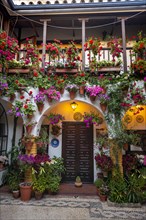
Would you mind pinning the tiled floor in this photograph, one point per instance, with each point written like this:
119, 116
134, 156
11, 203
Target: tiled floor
70, 203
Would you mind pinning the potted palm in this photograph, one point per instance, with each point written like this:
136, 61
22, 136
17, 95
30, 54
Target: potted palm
13, 180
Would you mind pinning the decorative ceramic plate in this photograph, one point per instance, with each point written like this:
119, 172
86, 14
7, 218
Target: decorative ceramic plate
128, 119
54, 142
78, 116
139, 118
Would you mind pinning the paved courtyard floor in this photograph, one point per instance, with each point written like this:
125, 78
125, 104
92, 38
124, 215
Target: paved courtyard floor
59, 207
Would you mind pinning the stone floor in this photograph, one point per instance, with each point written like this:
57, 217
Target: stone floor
73, 206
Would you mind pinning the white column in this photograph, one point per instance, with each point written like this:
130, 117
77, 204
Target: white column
124, 45
44, 41
83, 41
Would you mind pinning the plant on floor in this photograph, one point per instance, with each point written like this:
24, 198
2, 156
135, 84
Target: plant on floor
38, 179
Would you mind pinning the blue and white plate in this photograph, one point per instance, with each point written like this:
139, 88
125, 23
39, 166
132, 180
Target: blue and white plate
54, 142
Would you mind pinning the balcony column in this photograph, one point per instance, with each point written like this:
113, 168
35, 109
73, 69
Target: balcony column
83, 40
44, 41
124, 45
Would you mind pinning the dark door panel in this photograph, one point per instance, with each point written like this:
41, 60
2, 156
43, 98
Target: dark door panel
77, 151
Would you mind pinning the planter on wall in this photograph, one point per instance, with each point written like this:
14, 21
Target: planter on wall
18, 70
66, 70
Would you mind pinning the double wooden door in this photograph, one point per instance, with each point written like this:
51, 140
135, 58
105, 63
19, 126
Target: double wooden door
77, 151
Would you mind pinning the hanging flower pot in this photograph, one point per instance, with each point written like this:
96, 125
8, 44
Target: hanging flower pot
55, 130
40, 107
82, 90
72, 94
29, 129
92, 98
103, 106
61, 90
12, 97
29, 116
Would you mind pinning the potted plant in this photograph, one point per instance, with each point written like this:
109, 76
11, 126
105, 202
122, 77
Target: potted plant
38, 181
103, 192
78, 182
52, 94
54, 118
93, 91
53, 184
72, 89
53, 50
39, 100
91, 118
81, 80
29, 126
104, 162
28, 109
13, 180
3, 85
104, 99
55, 130
98, 183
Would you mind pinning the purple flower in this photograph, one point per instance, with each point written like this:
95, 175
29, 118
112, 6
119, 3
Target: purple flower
39, 98
93, 90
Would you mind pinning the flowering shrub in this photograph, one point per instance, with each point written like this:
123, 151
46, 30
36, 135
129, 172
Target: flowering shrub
91, 118
3, 85
137, 95
28, 108
115, 47
53, 94
54, 118
72, 56
93, 90
8, 48
72, 87
93, 44
139, 66
53, 50
81, 78
32, 54
130, 162
39, 98
139, 46
104, 162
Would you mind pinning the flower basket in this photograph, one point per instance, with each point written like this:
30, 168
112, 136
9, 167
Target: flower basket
67, 70
12, 97
18, 70
109, 69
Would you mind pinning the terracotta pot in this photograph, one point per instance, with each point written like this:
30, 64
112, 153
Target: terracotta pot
40, 107
82, 90
92, 98
105, 174
29, 116
103, 198
38, 195
125, 147
12, 97
104, 90
25, 191
103, 107
61, 90
16, 194
29, 129
49, 99
72, 94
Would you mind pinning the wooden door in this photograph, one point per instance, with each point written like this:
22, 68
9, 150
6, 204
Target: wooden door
77, 151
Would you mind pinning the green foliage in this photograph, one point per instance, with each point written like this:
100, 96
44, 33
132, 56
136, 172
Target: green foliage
13, 179
38, 179
99, 182
78, 179
53, 183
